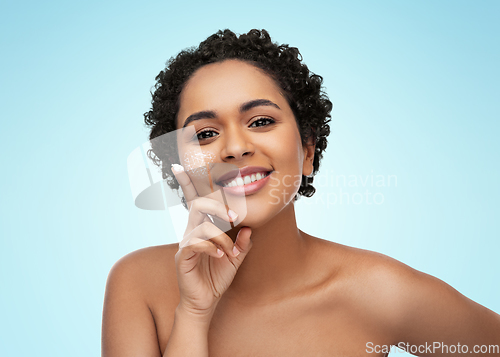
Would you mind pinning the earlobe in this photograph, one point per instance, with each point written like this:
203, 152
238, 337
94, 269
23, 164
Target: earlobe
308, 165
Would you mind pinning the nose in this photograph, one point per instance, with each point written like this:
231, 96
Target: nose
236, 144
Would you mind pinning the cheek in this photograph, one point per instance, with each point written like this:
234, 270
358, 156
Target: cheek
196, 162
290, 151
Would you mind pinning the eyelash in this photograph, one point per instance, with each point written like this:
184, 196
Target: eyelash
271, 121
198, 135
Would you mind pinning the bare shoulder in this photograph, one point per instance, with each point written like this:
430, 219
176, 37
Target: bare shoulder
146, 257
359, 266
383, 285
403, 302
147, 269
379, 288
129, 325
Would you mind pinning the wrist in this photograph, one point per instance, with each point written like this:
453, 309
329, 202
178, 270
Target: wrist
193, 316
189, 335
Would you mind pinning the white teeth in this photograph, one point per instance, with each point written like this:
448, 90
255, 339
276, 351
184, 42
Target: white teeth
240, 181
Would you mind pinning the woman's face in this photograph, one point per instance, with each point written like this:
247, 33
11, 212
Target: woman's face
241, 118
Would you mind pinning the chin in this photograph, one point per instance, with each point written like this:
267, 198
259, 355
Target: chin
259, 213
254, 222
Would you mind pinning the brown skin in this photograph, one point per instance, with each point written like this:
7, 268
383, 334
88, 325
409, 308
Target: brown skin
292, 294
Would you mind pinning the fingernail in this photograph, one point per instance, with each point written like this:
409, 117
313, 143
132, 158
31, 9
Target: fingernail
177, 168
232, 214
220, 252
236, 252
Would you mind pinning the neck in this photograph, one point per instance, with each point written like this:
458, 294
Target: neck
276, 262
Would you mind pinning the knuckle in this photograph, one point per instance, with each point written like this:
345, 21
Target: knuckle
206, 226
178, 255
195, 205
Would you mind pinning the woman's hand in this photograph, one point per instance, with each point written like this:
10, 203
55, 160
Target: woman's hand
207, 259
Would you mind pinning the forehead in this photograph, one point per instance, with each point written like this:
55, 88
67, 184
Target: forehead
223, 86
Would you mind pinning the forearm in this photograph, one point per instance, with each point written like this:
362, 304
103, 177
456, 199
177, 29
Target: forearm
189, 336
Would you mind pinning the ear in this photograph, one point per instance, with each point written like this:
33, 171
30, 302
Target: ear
309, 150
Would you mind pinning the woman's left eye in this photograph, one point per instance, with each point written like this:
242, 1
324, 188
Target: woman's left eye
262, 122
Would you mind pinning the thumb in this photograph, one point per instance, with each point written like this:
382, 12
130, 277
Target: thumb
243, 242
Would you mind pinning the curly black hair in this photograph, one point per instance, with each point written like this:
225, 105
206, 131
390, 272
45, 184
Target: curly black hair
302, 89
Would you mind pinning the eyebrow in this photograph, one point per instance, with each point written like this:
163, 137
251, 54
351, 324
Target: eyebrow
206, 114
245, 107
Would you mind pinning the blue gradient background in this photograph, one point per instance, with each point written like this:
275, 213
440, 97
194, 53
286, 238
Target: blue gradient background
415, 87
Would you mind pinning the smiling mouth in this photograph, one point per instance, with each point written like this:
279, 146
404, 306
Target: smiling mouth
245, 180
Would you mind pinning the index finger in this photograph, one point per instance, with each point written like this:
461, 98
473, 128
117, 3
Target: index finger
187, 186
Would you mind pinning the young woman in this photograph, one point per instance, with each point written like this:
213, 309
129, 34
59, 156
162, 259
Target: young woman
265, 288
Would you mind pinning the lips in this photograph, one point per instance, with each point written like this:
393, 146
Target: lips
243, 172
246, 180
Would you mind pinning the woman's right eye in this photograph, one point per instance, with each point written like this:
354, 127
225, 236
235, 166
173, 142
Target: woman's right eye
206, 134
